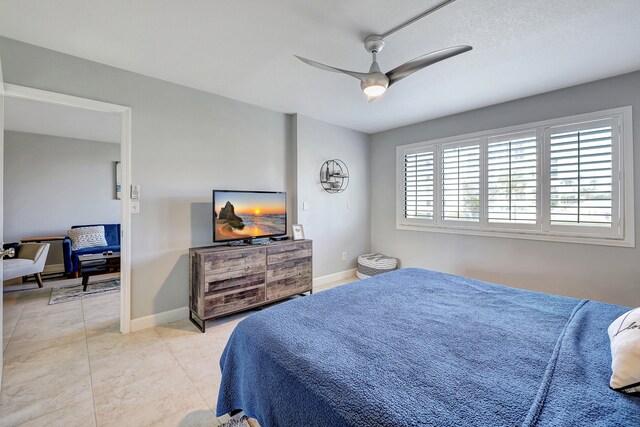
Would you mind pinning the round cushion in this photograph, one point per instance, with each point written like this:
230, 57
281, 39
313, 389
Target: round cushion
373, 264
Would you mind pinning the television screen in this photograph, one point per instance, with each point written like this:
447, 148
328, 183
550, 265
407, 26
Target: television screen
239, 215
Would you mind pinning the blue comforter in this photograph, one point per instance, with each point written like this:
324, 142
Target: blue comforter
419, 348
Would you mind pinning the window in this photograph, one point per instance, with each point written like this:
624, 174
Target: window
582, 175
512, 181
568, 179
418, 185
461, 183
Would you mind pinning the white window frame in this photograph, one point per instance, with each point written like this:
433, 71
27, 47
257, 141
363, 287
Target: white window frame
510, 226
622, 232
418, 222
615, 231
456, 223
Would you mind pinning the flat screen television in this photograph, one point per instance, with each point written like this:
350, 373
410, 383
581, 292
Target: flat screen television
245, 215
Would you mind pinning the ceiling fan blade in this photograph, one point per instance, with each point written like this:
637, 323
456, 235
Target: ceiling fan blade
420, 62
359, 76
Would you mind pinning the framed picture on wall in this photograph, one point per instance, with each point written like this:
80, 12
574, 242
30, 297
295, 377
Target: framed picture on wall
298, 232
118, 187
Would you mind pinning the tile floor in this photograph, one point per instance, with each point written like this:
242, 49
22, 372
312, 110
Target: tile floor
68, 365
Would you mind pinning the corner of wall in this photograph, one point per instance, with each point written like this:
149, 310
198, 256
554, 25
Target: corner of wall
291, 163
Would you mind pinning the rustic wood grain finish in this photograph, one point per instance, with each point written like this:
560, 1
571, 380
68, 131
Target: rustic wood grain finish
234, 273
284, 270
225, 279
194, 290
236, 260
226, 285
234, 301
292, 246
286, 287
287, 256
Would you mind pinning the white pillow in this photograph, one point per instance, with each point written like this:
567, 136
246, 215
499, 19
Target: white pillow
87, 237
624, 334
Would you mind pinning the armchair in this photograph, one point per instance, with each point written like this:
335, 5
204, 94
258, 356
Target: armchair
29, 260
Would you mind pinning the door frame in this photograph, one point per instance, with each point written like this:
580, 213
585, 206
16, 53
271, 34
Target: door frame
16, 91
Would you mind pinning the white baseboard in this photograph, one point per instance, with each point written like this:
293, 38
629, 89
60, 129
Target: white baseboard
183, 312
323, 280
159, 319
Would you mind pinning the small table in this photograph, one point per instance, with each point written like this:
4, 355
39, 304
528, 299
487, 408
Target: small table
96, 264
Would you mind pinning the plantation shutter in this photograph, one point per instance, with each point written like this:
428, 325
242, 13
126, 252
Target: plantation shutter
582, 184
461, 183
512, 178
418, 185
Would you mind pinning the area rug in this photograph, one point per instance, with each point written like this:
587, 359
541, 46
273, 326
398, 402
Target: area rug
240, 422
74, 292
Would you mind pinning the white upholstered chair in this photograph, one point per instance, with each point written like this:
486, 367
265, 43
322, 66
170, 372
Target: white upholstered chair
30, 260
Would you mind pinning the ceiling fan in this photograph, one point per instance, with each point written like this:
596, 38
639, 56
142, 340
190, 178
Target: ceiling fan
374, 83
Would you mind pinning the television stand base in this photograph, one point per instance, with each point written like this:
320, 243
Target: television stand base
261, 241
248, 242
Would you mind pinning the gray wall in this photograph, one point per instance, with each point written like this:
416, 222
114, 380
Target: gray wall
184, 143
585, 271
52, 183
336, 222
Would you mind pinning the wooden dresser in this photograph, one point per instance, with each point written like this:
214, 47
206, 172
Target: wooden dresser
227, 279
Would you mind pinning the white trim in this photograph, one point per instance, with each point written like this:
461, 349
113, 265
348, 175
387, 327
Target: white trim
524, 235
159, 318
626, 191
341, 275
22, 92
183, 312
1, 213
125, 227
622, 232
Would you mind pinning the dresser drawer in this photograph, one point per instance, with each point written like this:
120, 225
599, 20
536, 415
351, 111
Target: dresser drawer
232, 274
233, 260
276, 254
216, 305
216, 285
287, 269
283, 288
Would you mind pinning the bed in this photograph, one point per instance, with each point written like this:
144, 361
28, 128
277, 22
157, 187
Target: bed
417, 348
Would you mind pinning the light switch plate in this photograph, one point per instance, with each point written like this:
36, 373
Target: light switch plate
135, 207
305, 206
135, 191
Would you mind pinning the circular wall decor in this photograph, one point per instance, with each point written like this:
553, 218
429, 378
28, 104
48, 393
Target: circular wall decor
334, 176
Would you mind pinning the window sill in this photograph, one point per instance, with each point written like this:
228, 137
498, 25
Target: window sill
628, 242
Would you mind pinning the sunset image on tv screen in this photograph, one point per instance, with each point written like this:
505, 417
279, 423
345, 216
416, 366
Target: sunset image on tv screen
239, 215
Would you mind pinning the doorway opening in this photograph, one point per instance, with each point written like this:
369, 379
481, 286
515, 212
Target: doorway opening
67, 166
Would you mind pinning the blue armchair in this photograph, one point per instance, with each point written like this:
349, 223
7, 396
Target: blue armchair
111, 234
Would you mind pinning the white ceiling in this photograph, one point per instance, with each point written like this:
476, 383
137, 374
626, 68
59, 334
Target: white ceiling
25, 115
244, 49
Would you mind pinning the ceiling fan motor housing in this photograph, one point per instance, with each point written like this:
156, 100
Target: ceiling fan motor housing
374, 44
374, 78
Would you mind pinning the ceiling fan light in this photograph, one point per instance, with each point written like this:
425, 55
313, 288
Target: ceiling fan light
374, 90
